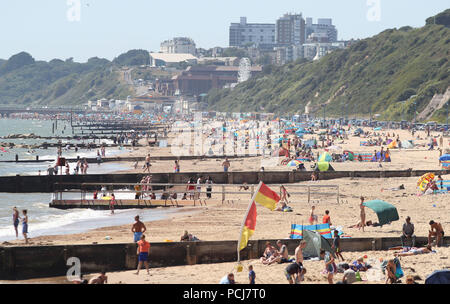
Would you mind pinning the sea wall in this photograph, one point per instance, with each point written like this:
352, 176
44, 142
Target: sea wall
48, 184
20, 263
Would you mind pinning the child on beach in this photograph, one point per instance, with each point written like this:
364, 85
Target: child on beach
251, 275
330, 266
25, 225
326, 218
112, 203
142, 251
312, 217
337, 245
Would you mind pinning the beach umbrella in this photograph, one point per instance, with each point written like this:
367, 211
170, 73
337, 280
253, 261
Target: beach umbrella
445, 157
386, 212
325, 157
424, 180
294, 163
438, 277
377, 129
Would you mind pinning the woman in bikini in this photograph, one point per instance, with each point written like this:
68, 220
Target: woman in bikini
362, 223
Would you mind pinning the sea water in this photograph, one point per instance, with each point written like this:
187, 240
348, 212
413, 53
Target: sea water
44, 220
44, 128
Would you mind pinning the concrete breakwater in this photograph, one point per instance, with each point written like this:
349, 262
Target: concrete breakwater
21, 263
48, 184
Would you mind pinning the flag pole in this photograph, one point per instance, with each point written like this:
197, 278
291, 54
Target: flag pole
243, 221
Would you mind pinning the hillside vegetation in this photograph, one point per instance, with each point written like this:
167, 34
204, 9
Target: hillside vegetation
26, 81
377, 75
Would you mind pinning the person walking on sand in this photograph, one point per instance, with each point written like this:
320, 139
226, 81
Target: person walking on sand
337, 245
299, 253
362, 215
177, 167
147, 163
25, 225
330, 266
138, 229
16, 219
143, 251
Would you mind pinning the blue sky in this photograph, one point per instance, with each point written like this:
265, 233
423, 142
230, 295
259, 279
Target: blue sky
108, 28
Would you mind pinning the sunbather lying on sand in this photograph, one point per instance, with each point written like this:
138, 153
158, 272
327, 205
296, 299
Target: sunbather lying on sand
414, 251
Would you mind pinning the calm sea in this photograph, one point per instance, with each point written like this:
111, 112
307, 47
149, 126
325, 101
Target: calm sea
44, 220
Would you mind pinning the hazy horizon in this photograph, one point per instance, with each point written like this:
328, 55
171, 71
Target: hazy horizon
106, 29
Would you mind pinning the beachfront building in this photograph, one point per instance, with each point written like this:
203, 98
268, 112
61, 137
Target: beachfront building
290, 30
286, 54
196, 80
178, 45
148, 103
166, 59
243, 34
315, 51
324, 29
229, 61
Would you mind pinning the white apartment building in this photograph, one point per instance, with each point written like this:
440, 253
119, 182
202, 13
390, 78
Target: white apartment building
259, 34
178, 45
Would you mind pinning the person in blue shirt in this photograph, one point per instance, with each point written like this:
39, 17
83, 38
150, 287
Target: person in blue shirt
251, 275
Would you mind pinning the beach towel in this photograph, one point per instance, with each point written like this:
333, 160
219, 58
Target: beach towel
366, 157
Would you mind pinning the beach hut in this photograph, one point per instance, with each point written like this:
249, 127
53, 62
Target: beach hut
386, 212
438, 277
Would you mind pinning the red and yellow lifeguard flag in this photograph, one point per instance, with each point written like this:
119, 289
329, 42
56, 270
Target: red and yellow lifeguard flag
266, 197
263, 196
249, 226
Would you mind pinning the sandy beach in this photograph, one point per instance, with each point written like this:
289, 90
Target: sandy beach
220, 221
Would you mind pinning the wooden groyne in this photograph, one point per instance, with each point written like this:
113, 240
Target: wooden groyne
128, 159
21, 263
48, 184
